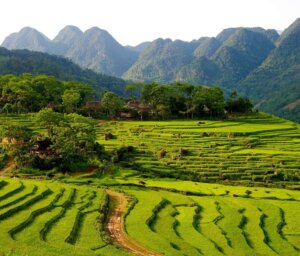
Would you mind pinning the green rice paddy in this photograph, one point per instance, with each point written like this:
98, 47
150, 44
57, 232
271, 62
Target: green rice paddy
181, 202
254, 150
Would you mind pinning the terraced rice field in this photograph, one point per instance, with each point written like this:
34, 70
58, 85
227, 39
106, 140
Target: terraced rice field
259, 149
177, 224
48, 218
51, 218
170, 211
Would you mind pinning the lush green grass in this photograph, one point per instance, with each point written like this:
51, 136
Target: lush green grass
29, 214
212, 224
174, 213
259, 149
194, 219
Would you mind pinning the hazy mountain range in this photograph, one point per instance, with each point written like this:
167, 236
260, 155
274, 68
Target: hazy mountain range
257, 62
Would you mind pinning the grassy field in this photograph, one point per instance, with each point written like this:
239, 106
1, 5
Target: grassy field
260, 149
50, 218
178, 180
177, 224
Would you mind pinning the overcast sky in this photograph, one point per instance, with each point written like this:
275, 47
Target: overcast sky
135, 21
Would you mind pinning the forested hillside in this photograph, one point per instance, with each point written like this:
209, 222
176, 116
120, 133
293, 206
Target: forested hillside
275, 85
23, 61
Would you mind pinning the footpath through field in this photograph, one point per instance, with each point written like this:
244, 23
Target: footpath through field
115, 226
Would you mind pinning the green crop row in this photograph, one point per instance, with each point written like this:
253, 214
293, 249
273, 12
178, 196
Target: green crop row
34, 214
27, 204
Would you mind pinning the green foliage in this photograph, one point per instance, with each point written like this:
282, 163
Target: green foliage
71, 99
27, 93
275, 84
16, 132
18, 62
72, 139
238, 104
177, 100
68, 145
112, 103
134, 90
48, 118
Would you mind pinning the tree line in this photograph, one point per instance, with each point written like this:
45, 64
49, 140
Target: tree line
177, 100
27, 93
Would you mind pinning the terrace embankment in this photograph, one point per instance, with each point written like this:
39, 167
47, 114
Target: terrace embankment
115, 226
9, 167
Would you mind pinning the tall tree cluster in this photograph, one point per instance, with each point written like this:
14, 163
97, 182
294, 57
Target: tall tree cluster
27, 93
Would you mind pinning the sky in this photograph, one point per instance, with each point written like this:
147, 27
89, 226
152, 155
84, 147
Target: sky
134, 21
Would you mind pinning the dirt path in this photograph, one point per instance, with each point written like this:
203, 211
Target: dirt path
10, 166
116, 230
90, 170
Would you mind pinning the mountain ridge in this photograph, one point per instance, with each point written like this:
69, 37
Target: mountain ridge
256, 62
94, 48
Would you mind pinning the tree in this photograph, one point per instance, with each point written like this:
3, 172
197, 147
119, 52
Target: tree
71, 99
85, 90
134, 90
208, 101
8, 108
238, 104
112, 103
157, 97
27, 93
48, 118
71, 138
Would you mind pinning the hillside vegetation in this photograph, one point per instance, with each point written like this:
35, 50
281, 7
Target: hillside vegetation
18, 62
275, 84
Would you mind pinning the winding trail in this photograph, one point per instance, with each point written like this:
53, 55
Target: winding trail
115, 226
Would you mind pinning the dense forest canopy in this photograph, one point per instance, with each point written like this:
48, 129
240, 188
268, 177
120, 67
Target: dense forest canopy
27, 93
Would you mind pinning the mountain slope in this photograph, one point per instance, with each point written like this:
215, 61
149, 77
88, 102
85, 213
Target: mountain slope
241, 53
66, 39
24, 61
228, 58
30, 39
94, 49
276, 83
161, 60
140, 47
99, 51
